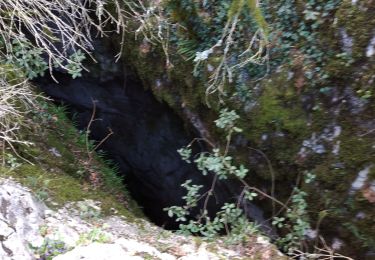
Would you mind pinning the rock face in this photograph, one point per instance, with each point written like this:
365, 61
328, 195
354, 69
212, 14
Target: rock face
313, 113
21, 215
29, 231
130, 249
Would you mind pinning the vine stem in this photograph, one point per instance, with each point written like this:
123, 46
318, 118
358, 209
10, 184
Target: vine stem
272, 176
262, 193
92, 119
209, 194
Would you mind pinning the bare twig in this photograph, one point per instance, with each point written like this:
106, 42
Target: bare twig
272, 175
13, 96
90, 150
58, 27
257, 52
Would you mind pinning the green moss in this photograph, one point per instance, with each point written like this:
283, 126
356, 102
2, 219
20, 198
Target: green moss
331, 189
11, 73
45, 144
358, 21
62, 188
355, 151
55, 142
371, 174
279, 112
278, 115
274, 113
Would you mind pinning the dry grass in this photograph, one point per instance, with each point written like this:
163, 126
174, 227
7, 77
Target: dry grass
257, 53
15, 96
59, 27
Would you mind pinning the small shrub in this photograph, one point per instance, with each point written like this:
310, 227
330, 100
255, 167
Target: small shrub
49, 249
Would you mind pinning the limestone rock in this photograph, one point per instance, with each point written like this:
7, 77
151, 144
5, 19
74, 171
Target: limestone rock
21, 215
29, 230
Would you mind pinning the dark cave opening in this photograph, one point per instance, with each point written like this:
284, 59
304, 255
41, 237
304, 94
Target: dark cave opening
145, 140
146, 136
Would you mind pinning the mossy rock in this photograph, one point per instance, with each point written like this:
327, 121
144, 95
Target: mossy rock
357, 20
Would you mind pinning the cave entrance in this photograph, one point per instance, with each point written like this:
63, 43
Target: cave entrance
146, 137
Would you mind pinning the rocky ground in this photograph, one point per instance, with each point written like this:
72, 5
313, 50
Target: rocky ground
78, 230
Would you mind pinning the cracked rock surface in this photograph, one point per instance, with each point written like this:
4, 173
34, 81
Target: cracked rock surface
21, 215
26, 225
